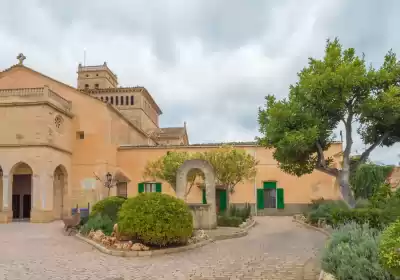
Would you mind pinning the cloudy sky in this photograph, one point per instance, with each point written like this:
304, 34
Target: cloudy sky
207, 62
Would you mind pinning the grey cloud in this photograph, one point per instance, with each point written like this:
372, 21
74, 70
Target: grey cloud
209, 63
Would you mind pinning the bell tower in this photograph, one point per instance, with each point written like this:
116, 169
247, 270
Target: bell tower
96, 77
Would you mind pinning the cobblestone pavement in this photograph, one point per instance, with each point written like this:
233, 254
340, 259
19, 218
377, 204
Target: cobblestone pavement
275, 249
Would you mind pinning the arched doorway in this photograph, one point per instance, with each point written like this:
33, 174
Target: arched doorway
209, 182
59, 189
21, 191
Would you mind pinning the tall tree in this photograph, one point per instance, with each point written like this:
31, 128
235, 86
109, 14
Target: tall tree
338, 88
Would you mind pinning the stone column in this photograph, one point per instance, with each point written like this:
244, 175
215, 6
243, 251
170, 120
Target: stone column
42, 198
6, 193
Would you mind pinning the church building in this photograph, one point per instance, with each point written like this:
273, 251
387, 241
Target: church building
62, 145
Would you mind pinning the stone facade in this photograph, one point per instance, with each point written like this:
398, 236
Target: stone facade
58, 143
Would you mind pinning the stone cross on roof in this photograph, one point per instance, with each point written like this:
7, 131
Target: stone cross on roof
21, 58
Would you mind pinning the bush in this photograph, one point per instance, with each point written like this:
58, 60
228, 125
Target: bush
156, 219
242, 213
381, 196
376, 218
98, 222
229, 221
362, 203
324, 209
108, 206
391, 208
352, 254
389, 248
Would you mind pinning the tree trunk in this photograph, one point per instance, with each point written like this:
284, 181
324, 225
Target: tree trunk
345, 189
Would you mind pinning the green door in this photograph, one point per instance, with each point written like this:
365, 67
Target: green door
223, 200
204, 196
260, 198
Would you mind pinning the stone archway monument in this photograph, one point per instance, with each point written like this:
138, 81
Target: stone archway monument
204, 215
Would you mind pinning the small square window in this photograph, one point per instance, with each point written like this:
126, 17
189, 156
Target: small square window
86, 86
97, 75
80, 135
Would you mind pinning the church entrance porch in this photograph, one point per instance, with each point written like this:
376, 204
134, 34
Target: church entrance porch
22, 196
21, 192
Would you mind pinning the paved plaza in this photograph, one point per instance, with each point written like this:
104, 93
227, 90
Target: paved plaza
276, 248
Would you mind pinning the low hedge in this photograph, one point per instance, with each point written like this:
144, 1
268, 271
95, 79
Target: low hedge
324, 209
229, 221
376, 218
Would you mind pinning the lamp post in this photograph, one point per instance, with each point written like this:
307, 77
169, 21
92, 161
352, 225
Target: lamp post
109, 182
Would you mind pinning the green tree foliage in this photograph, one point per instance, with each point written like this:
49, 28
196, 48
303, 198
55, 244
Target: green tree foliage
156, 219
231, 166
166, 167
339, 88
366, 180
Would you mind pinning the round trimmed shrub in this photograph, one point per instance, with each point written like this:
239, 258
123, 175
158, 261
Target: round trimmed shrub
389, 248
156, 219
108, 207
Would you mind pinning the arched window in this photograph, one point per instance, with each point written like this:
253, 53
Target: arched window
116, 100
106, 98
132, 101
122, 100
112, 100
127, 100
101, 98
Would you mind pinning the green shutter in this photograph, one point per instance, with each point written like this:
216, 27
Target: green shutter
140, 187
223, 200
280, 201
260, 198
269, 185
204, 196
158, 187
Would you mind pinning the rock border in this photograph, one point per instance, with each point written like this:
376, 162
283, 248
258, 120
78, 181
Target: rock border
150, 253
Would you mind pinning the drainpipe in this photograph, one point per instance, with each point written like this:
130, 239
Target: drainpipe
255, 185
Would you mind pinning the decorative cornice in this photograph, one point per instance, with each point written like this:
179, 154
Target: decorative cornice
38, 103
39, 145
168, 146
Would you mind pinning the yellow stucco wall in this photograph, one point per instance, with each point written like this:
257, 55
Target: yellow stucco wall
297, 189
30, 136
